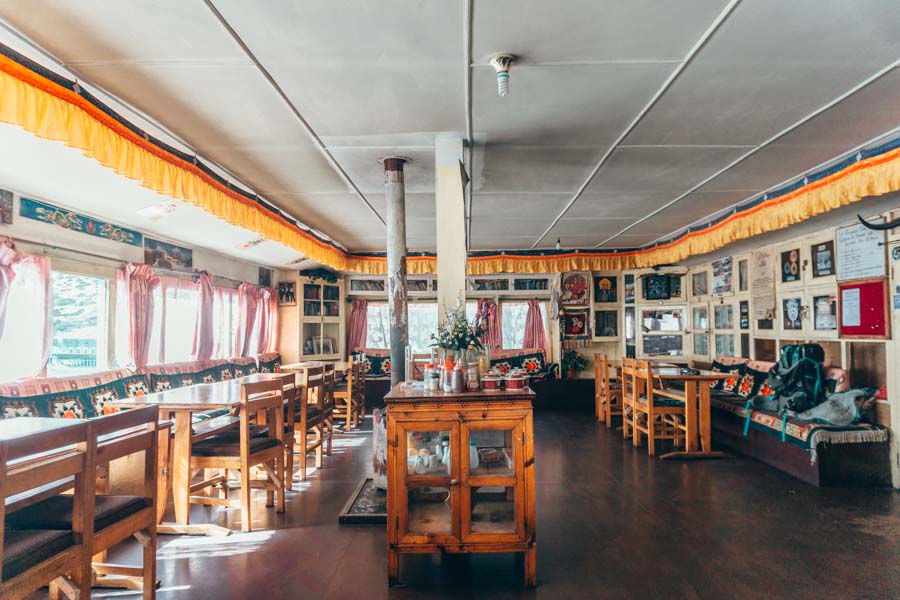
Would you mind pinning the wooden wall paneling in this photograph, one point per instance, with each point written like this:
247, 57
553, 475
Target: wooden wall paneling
764, 349
832, 353
867, 364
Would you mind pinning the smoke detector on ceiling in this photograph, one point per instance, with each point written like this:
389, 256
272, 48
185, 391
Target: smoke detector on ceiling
501, 63
158, 211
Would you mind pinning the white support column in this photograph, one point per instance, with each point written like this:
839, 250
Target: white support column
450, 216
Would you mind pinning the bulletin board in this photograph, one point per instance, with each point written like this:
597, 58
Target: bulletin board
863, 309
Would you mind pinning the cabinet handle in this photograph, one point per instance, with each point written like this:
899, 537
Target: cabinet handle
454, 482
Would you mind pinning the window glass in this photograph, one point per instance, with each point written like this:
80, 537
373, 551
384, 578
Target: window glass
225, 322
724, 345
80, 324
724, 316
423, 322
512, 323
661, 320
377, 329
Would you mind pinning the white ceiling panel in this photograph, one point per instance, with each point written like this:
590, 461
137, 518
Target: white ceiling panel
617, 204
401, 61
771, 64
98, 31
544, 169
366, 169
591, 30
630, 241
578, 105
657, 169
686, 211
522, 205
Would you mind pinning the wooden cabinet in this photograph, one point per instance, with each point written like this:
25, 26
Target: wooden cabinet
460, 474
313, 328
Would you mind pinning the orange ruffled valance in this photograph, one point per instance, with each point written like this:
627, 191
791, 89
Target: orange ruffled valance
51, 111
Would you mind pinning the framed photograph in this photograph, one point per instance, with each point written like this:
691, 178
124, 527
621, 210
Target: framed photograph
287, 293
606, 323
700, 284
327, 346
744, 314
265, 277
723, 277
605, 288
790, 265
790, 314
169, 257
6, 207
743, 275
825, 312
629, 289
823, 259
575, 288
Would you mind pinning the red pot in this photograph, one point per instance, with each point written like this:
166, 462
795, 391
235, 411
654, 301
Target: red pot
490, 383
516, 382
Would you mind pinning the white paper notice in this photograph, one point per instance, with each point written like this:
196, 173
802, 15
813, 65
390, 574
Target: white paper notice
850, 308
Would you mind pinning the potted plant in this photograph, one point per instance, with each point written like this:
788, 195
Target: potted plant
572, 362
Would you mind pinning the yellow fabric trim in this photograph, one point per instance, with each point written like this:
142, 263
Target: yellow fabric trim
50, 111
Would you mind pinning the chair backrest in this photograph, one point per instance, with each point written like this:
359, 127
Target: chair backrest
328, 386
290, 389
266, 399
601, 372
643, 379
361, 360
35, 460
628, 367
313, 380
129, 432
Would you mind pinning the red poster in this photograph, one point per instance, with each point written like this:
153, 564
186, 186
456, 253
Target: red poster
863, 309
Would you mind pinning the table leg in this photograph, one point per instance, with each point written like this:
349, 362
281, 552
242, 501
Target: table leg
181, 467
690, 403
705, 418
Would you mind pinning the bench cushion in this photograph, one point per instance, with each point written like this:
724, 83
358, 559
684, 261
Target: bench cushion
228, 446
23, 549
56, 512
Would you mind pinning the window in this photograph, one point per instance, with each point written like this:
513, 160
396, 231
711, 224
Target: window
377, 328
174, 321
512, 323
80, 324
423, 322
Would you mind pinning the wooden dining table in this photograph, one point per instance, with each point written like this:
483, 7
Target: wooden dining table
179, 405
698, 419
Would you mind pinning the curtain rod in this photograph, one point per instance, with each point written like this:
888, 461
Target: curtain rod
49, 249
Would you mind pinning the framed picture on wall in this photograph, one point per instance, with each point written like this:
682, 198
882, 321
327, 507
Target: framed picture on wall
656, 287
790, 265
699, 284
287, 293
722, 280
823, 259
606, 288
606, 323
790, 314
575, 326
575, 288
825, 312
863, 310
629, 289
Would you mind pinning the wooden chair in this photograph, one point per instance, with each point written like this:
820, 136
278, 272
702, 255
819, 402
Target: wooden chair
35, 467
116, 518
330, 381
628, 397
655, 415
361, 388
314, 414
607, 393
249, 449
346, 398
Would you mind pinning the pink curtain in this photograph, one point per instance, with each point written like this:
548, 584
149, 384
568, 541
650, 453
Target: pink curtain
267, 319
248, 300
204, 338
490, 313
9, 256
535, 335
137, 284
359, 317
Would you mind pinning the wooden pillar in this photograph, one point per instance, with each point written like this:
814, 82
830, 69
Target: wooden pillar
395, 194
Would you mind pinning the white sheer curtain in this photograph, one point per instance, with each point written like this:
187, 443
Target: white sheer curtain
25, 344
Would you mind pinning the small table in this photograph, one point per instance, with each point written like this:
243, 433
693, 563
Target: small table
179, 404
697, 411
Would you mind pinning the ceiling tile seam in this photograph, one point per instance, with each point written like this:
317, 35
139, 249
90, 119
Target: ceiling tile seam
695, 49
834, 102
281, 93
468, 23
174, 139
779, 185
586, 63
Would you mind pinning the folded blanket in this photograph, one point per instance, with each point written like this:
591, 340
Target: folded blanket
841, 409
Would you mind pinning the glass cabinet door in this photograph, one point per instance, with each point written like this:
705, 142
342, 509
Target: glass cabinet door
493, 478
430, 494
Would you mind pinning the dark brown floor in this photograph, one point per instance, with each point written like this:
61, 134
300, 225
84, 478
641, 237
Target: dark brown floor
612, 522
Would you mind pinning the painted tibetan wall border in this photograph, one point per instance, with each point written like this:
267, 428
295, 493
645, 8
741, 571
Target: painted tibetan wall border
55, 108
